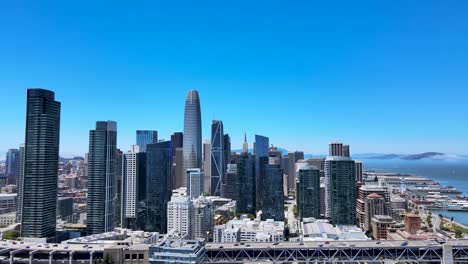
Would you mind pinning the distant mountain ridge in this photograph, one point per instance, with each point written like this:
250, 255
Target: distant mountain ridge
383, 156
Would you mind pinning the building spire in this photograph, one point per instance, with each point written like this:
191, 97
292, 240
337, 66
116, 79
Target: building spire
245, 146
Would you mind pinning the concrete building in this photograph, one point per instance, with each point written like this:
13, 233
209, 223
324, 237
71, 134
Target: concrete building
177, 251
246, 230
7, 219
412, 223
346, 152
335, 149
358, 170
374, 204
179, 212
321, 230
380, 225
363, 192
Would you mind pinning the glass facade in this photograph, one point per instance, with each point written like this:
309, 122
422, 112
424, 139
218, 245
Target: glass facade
308, 193
145, 137
158, 185
192, 132
340, 194
39, 183
246, 176
102, 185
261, 149
217, 157
273, 195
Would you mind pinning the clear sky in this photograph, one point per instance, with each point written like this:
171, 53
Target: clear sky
383, 76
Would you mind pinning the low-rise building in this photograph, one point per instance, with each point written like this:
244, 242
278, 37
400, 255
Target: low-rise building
177, 251
322, 230
246, 230
7, 219
380, 226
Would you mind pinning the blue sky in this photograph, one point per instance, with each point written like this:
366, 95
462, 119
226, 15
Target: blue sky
383, 76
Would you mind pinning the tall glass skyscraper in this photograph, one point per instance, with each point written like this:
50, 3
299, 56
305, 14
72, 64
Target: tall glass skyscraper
39, 188
217, 157
340, 190
12, 163
308, 192
102, 178
158, 185
192, 132
261, 150
273, 194
246, 175
145, 137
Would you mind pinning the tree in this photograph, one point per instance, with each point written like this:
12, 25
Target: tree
458, 233
11, 235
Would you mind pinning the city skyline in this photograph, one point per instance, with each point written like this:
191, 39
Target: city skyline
396, 71
129, 138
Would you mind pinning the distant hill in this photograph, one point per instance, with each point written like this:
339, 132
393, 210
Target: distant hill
426, 155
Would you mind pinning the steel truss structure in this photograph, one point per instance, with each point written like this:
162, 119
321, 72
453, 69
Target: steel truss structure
430, 254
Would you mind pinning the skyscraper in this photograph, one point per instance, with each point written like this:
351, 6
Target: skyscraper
179, 212
276, 156
19, 205
145, 137
294, 157
134, 188
192, 132
340, 192
335, 149
195, 183
358, 171
178, 158
261, 150
246, 178
245, 145
158, 185
12, 163
230, 187
102, 185
346, 152
273, 197
41, 155
217, 156
207, 165
227, 151
308, 193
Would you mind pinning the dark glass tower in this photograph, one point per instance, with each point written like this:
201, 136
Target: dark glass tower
192, 132
218, 157
260, 150
246, 176
41, 157
158, 185
308, 193
12, 163
340, 190
273, 195
145, 137
102, 184
178, 173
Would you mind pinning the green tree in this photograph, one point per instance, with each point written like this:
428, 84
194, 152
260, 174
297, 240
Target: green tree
11, 235
458, 233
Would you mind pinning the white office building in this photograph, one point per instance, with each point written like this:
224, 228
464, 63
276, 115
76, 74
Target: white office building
246, 230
